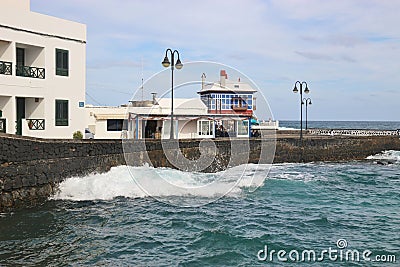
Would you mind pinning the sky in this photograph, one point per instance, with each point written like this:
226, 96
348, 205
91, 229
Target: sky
348, 51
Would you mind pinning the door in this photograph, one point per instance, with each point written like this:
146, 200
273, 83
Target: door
20, 61
20, 114
150, 129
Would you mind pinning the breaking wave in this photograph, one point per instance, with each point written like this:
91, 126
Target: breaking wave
140, 182
389, 155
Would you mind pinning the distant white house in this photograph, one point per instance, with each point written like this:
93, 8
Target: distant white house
106, 122
224, 108
153, 119
42, 73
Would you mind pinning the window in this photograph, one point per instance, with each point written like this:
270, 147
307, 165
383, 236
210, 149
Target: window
205, 128
61, 62
61, 112
212, 104
117, 125
243, 128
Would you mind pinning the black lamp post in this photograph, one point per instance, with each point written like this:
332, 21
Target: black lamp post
306, 101
178, 64
295, 90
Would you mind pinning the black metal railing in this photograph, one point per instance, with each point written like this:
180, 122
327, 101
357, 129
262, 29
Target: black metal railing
32, 72
5, 68
36, 124
3, 125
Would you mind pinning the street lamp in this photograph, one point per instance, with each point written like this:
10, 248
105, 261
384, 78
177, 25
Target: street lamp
295, 90
306, 101
178, 64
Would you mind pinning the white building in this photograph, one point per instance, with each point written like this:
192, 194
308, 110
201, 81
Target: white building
224, 109
152, 118
106, 122
42, 73
155, 121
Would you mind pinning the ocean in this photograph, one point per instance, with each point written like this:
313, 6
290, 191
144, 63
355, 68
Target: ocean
357, 125
346, 214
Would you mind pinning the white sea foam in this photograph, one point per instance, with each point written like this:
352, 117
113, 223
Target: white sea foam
139, 182
389, 155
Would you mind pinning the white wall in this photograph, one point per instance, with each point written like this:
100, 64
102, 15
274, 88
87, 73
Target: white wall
41, 53
6, 52
96, 120
7, 107
102, 133
16, 4
34, 110
188, 129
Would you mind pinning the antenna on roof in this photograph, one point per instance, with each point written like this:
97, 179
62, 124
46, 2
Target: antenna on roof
142, 90
142, 82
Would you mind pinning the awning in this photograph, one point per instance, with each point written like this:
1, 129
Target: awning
254, 122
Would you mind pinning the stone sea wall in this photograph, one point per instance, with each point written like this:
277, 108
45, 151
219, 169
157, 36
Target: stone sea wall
336, 148
31, 169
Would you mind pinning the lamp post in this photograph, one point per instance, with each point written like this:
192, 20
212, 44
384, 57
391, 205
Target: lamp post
295, 90
178, 64
306, 101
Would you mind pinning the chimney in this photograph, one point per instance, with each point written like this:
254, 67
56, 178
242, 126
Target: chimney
203, 77
223, 77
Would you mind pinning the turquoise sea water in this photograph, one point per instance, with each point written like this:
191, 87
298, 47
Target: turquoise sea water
374, 125
103, 220
107, 220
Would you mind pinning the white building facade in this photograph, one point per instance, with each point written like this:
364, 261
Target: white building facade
42, 73
147, 119
155, 122
106, 122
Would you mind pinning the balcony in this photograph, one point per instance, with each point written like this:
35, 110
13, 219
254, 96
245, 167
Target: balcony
5, 68
3, 128
31, 72
238, 108
36, 124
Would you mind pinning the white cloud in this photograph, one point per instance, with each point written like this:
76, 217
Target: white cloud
353, 43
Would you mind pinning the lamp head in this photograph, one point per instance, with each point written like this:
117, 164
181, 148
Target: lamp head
295, 90
306, 90
179, 64
166, 62
310, 103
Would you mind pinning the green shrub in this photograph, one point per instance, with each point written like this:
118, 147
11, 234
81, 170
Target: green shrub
77, 135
